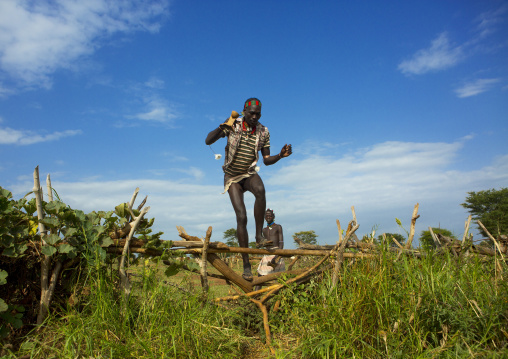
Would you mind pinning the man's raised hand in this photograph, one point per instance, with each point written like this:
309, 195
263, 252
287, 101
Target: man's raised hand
286, 151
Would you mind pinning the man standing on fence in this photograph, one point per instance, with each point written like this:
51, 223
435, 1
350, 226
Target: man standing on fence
246, 137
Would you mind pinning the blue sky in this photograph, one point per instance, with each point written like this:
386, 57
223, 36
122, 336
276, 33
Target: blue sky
386, 104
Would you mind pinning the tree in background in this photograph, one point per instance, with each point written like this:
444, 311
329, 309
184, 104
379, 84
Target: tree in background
491, 208
230, 237
398, 237
426, 240
309, 237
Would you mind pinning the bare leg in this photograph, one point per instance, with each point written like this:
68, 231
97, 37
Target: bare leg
255, 185
236, 195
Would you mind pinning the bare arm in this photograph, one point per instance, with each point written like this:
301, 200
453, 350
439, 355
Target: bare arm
270, 160
214, 136
281, 238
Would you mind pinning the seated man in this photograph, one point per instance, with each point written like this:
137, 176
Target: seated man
272, 232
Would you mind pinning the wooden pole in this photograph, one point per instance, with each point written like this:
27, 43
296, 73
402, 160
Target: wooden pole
340, 254
414, 217
281, 252
493, 239
434, 237
216, 262
46, 261
124, 280
204, 261
466, 229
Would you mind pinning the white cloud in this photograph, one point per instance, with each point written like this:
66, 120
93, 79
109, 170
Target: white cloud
9, 136
488, 20
475, 87
383, 181
153, 107
38, 38
155, 83
157, 110
440, 55
174, 157
192, 171
4, 91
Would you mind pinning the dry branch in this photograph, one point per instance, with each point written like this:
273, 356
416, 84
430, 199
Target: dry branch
340, 252
434, 238
185, 267
466, 229
204, 261
124, 280
290, 266
280, 286
280, 252
414, 217
303, 245
217, 263
492, 239
46, 261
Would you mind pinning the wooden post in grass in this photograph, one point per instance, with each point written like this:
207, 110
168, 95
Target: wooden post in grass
124, 280
341, 247
335, 276
414, 217
46, 261
465, 243
204, 261
434, 237
493, 240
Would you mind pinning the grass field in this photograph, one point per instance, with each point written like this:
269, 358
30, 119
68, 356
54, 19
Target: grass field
435, 307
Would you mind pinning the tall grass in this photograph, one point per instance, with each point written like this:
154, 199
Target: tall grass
437, 306
433, 307
160, 322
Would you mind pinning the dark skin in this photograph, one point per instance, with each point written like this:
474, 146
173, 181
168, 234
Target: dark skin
274, 234
253, 184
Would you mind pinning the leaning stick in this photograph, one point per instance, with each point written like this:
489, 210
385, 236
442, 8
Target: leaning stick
273, 276
50, 190
293, 262
434, 237
134, 195
192, 270
413, 223
204, 261
340, 252
466, 229
265, 323
275, 290
45, 264
216, 262
339, 244
250, 294
396, 242
123, 275
492, 238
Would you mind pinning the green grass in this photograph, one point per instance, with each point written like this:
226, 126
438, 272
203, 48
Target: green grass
435, 307
160, 322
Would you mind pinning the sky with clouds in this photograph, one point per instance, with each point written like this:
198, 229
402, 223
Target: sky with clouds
386, 105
